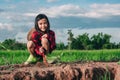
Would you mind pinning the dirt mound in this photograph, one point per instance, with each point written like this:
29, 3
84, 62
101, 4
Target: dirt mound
62, 71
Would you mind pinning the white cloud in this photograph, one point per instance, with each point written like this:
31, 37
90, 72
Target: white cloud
102, 10
51, 0
6, 26
21, 37
94, 10
61, 35
63, 10
30, 14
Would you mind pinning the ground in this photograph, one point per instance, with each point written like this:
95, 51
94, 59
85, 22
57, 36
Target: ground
62, 71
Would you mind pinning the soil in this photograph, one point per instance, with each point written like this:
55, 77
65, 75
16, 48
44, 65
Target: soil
62, 71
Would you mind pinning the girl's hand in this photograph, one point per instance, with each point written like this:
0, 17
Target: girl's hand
45, 36
41, 49
45, 60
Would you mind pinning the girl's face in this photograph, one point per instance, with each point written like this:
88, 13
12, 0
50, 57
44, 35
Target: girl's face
42, 24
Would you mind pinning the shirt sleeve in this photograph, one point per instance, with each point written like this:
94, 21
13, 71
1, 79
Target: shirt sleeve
29, 35
36, 38
51, 38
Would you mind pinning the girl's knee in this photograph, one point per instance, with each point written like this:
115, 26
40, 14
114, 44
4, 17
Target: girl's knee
30, 44
45, 44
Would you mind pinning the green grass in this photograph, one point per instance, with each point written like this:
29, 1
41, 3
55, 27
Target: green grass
19, 56
13, 57
88, 55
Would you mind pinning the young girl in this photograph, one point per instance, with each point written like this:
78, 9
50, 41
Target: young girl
41, 40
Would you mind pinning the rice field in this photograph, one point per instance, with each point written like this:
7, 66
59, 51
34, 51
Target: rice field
20, 56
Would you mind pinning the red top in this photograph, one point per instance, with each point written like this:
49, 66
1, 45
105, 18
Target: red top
36, 38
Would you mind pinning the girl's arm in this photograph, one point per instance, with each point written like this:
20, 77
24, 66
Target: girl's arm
52, 40
29, 35
35, 37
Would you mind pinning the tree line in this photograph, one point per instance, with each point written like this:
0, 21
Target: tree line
12, 44
81, 42
84, 42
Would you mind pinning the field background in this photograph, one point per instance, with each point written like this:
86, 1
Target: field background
20, 56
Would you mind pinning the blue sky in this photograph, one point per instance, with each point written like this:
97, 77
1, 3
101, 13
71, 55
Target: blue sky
81, 16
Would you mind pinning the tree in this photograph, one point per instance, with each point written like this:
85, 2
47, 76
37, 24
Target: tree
85, 40
2, 47
81, 42
60, 46
76, 44
8, 43
12, 44
97, 41
118, 45
70, 39
100, 40
106, 38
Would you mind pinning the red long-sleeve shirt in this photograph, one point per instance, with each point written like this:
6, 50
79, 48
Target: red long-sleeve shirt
37, 36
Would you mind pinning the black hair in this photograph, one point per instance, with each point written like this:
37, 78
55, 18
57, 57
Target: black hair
39, 17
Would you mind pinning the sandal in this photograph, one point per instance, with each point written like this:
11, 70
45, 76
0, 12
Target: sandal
31, 59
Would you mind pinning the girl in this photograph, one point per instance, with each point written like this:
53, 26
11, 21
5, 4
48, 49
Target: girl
41, 40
